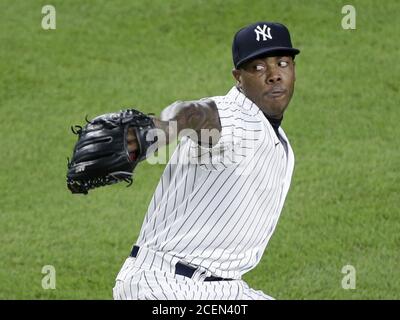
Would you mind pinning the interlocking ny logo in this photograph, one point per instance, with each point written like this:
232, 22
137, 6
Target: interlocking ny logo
261, 32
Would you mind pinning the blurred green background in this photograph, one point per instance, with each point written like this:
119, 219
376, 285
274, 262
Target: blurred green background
343, 206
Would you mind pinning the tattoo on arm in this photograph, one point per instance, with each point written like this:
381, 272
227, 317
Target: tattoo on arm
199, 119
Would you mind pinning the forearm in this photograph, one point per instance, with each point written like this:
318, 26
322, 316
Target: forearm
197, 119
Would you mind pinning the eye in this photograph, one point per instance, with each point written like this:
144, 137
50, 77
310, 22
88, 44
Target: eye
259, 67
283, 63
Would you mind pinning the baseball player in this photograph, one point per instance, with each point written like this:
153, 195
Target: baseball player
220, 196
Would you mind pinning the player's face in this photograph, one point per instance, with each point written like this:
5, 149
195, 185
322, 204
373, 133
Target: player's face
268, 82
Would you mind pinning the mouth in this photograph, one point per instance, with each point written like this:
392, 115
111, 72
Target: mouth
276, 93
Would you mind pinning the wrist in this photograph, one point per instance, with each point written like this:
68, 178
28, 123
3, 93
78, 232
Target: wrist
165, 131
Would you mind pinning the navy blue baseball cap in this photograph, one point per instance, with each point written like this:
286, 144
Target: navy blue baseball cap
261, 39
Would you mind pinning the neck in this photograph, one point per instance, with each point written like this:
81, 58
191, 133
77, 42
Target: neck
275, 121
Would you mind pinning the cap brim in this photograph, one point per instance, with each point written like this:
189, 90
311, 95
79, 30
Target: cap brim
275, 51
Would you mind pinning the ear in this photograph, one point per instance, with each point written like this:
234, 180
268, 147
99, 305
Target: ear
237, 75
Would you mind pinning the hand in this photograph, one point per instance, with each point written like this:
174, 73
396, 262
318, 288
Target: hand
133, 146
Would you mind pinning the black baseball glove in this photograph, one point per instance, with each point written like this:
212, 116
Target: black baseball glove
101, 155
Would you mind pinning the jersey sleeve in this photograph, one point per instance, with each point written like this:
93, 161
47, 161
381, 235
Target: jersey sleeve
229, 149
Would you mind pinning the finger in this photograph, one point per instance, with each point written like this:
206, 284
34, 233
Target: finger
131, 133
131, 139
132, 147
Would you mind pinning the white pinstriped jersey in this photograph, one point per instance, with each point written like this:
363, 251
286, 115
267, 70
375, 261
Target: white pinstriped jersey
218, 207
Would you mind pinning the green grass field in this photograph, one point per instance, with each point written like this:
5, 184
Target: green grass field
343, 206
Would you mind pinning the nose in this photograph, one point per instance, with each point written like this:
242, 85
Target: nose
273, 77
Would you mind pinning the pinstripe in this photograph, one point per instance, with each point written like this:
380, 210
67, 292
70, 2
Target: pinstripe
208, 293
269, 202
123, 291
168, 196
209, 216
148, 213
184, 188
137, 290
261, 209
244, 129
144, 259
176, 174
168, 169
244, 120
123, 271
199, 189
201, 292
217, 235
193, 211
235, 238
186, 204
161, 288
237, 294
254, 221
117, 293
244, 139
167, 280
162, 195
263, 227
152, 261
194, 178
118, 290
212, 183
148, 284
229, 233
130, 288
215, 290
272, 210
212, 292
166, 205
